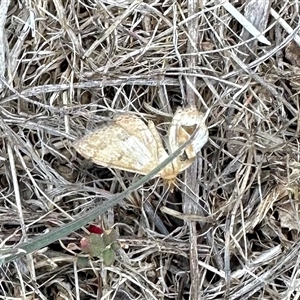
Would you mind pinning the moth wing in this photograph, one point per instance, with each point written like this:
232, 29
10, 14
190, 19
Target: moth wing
150, 137
126, 143
184, 124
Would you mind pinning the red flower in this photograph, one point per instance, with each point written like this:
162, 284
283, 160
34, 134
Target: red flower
95, 229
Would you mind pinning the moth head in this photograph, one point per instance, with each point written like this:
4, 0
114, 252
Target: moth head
170, 172
171, 184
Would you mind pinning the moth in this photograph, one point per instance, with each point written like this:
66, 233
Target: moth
128, 143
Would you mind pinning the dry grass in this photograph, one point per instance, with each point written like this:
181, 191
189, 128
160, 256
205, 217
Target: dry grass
232, 231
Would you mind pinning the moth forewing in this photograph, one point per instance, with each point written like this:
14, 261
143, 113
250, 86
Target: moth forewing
200, 139
122, 144
186, 122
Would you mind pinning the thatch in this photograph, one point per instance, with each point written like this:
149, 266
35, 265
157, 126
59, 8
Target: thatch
230, 229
